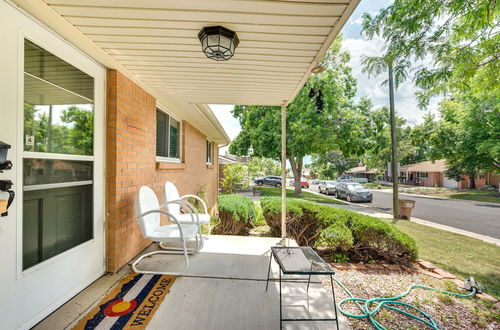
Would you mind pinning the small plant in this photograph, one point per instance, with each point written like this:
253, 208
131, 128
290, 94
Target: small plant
446, 299
340, 258
259, 217
371, 262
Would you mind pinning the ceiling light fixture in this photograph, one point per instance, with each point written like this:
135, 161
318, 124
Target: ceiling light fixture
218, 43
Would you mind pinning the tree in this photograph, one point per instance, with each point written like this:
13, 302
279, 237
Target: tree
460, 35
234, 178
332, 164
397, 69
468, 136
258, 167
322, 117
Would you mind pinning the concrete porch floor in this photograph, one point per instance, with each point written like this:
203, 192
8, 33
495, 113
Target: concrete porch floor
224, 288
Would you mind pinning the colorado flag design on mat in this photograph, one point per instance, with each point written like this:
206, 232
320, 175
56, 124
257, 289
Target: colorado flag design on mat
129, 306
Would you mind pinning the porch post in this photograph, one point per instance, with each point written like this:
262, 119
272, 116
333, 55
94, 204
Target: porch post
283, 174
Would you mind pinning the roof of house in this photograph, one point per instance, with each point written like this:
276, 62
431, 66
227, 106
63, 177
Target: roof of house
223, 160
427, 166
360, 169
231, 159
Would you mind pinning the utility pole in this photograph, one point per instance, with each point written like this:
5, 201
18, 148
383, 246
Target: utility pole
394, 145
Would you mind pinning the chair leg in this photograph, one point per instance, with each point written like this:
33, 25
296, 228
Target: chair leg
199, 246
139, 271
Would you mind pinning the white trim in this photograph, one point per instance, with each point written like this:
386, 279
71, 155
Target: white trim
47, 155
161, 159
43, 314
56, 185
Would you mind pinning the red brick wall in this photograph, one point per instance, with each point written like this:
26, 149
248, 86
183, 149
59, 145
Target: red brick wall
434, 179
131, 163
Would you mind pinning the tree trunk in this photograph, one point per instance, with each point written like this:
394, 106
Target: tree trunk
472, 181
296, 166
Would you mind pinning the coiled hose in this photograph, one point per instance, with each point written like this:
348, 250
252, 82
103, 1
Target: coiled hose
390, 303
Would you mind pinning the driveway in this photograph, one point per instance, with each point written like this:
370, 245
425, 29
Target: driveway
477, 217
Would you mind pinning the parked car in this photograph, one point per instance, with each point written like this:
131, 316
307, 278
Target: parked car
353, 192
327, 187
303, 183
316, 181
270, 180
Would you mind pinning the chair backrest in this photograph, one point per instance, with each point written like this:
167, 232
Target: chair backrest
145, 201
171, 194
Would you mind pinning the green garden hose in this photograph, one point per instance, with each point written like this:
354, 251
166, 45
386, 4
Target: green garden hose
420, 316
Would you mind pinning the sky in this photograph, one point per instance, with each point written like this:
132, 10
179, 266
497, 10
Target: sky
357, 45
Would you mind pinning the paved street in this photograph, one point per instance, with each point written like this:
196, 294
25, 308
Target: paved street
477, 217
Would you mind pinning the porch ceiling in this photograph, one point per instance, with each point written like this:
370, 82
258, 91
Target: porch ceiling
156, 41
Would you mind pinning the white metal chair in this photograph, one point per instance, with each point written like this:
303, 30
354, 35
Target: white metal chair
148, 213
172, 194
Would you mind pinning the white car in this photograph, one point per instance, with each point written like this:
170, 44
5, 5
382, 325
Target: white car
327, 187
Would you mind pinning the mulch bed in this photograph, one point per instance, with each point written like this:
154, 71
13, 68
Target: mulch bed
447, 311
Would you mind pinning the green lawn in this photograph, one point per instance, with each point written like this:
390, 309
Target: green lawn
481, 196
460, 255
270, 191
375, 186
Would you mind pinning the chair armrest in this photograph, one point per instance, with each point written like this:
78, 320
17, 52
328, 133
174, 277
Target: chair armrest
187, 206
170, 216
197, 198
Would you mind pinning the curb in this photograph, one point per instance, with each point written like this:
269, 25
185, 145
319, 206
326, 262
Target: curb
381, 214
387, 191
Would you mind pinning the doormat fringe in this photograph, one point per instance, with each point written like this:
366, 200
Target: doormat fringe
130, 305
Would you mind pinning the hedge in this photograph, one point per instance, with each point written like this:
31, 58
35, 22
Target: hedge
236, 215
365, 237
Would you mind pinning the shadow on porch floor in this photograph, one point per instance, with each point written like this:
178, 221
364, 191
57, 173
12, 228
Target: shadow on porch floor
224, 288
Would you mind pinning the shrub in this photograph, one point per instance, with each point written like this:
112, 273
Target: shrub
381, 240
301, 226
362, 236
234, 178
336, 236
236, 215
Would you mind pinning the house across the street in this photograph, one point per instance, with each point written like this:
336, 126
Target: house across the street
361, 171
432, 174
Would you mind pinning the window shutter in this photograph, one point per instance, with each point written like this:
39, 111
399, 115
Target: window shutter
161, 134
174, 138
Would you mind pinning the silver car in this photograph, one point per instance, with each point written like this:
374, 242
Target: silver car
327, 187
353, 192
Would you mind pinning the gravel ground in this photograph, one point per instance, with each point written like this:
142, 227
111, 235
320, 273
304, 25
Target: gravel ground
447, 311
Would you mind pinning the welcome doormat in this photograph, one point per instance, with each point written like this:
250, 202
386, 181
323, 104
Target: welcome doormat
130, 305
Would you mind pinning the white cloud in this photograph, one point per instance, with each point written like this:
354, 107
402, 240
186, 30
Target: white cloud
405, 101
230, 124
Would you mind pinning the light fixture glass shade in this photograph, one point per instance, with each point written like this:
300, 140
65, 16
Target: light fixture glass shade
218, 43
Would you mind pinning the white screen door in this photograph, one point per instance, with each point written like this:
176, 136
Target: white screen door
52, 115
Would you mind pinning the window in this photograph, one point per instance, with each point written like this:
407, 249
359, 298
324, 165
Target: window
423, 175
209, 152
57, 188
167, 136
